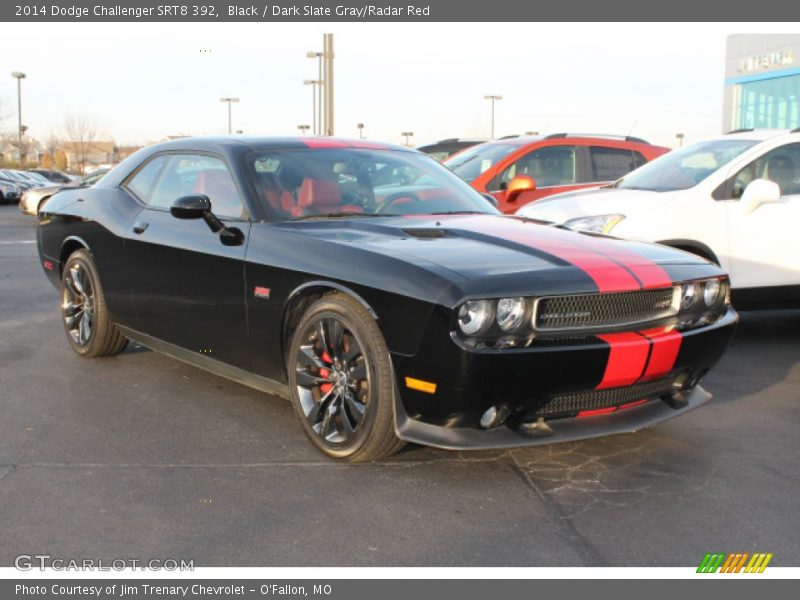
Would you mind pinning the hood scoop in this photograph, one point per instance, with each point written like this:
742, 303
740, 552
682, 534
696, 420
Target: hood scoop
425, 232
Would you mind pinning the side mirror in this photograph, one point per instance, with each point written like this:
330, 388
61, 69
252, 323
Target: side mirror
490, 199
758, 192
199, 207
520, 183
191, 207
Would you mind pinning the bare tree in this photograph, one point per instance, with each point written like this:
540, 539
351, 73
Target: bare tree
81, 132
52, 145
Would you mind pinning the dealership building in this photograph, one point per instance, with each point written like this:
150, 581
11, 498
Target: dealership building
762, 82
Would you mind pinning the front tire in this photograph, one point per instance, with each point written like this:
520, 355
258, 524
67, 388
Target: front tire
341, 381
87, 322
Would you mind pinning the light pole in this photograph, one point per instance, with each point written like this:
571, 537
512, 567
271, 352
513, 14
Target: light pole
303, 128
679, 137
229, 101
19, 76
407, 134
493, 98
318, 114
313, 83
360, 130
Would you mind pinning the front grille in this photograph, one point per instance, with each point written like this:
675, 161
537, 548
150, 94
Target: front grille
584, 311
570, 404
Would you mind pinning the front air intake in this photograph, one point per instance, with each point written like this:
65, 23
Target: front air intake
428, 233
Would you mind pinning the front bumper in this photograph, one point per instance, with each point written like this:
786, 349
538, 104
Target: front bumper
553, 431
526, 380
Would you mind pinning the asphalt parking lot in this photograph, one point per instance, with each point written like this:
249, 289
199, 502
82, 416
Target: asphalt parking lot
143, 456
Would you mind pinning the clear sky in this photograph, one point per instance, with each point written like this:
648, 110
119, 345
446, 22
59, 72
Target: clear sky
142, 82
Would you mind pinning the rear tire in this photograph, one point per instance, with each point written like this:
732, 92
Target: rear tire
90, 330
341, 381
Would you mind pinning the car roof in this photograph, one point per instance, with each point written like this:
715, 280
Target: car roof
272, 143
755, 134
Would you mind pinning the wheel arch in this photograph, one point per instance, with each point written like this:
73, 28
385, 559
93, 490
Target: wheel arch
304, 295
693, 247
68, 246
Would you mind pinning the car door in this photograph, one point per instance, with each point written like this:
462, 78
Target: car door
764, 244
187, 287
554, 169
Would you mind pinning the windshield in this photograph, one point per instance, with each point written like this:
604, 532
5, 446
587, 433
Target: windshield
685, 167
302, 184
473, 161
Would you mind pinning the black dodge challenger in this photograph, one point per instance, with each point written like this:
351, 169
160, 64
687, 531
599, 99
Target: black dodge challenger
388, 300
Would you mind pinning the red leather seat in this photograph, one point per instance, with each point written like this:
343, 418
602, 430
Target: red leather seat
317, 196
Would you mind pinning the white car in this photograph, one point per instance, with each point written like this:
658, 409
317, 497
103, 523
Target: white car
734, 200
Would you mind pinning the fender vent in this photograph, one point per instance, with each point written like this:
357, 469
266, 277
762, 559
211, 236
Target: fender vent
425, 233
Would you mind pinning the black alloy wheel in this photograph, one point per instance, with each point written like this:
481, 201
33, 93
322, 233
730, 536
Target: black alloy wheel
341, 381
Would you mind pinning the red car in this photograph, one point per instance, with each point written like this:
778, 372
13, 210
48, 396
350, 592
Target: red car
519, 170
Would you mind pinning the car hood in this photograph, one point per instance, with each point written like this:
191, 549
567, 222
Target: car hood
45, 191
493, 253
602, 201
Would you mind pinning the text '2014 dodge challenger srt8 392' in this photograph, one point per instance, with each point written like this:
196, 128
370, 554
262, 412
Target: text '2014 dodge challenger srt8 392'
388, 300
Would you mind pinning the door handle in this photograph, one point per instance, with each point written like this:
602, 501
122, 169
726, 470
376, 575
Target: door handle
140, 227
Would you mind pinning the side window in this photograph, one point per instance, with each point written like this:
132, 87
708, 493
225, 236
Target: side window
186, 174
609, 164
549, 166
638, 159
143, 182
781, 165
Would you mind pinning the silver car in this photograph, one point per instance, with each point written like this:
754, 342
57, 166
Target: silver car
34, 198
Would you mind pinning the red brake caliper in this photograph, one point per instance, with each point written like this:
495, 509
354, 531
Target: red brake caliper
325, 387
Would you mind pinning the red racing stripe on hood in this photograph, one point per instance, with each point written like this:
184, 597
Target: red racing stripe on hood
607, 273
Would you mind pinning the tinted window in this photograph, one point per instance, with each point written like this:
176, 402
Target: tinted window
609, 164
295, 184
142, 183
781, 165
187, 174
549, 166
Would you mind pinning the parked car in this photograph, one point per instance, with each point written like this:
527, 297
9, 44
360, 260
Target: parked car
444, 149
519, 170
734, 200
11, 176
9, 192
33, 177
33, 199
53, 175
386, 314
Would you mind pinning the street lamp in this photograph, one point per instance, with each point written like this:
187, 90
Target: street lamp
493, 98
679, 137
313, 83
229, 101
303, 128
318, 115
360, 130
19, 76
407, 134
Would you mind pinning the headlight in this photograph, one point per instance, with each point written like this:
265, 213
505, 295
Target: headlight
711, 292
474, 316
596, 223
510, 313
688, 295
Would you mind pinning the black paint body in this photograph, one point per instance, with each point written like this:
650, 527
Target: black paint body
176, 282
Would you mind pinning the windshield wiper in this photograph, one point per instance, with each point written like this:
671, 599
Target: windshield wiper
341, 215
